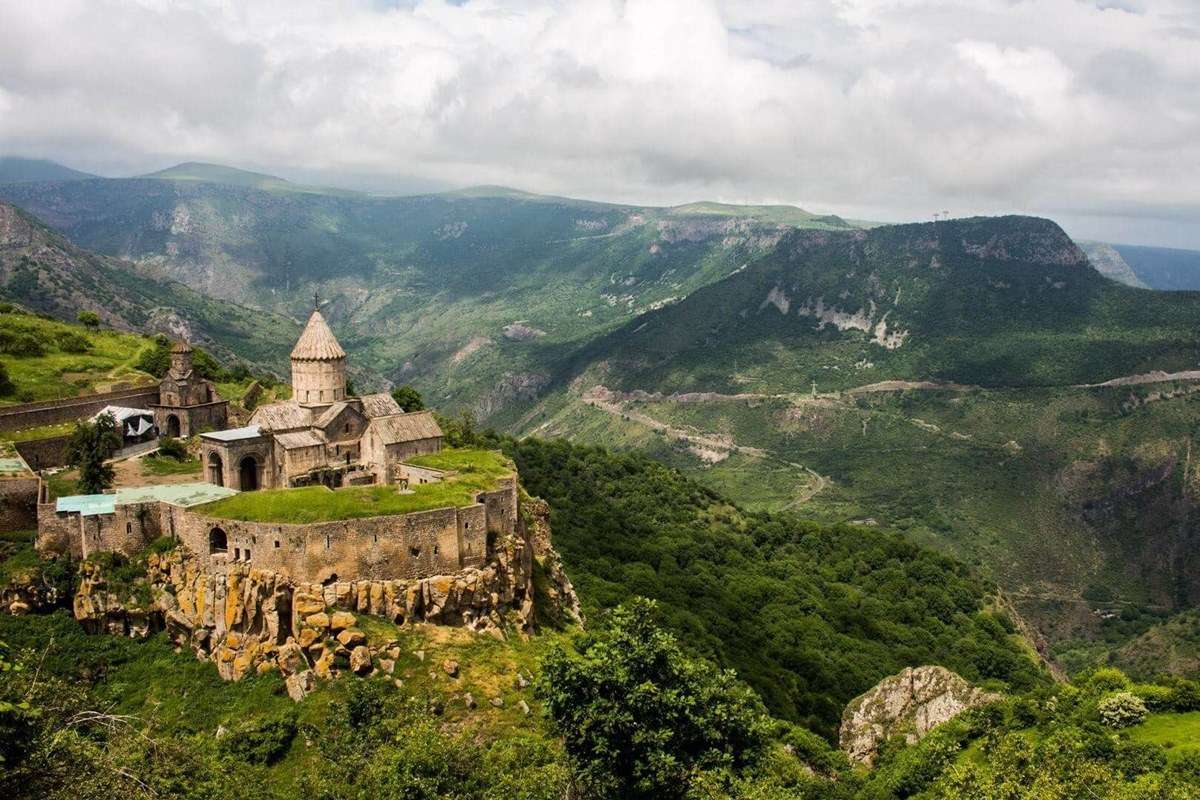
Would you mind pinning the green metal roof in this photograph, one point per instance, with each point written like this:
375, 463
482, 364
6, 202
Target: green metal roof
176, 494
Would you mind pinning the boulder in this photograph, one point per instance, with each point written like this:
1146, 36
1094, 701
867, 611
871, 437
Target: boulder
341, 620
291, 658
451, 667
360, 660
319, 621
909, 704
352, 637
300, 684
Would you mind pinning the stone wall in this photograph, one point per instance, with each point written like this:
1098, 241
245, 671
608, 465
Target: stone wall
67, 409
45, 453
405, 546
18, 503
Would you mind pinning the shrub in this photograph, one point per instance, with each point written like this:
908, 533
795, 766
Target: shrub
21, 344
263, 741
1105, 680
1121, 710
72, 342
89, 319
7, 387
1156, 698
170, 447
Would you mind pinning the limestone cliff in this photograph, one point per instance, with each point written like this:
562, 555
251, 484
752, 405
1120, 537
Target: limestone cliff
909, 704
248, 619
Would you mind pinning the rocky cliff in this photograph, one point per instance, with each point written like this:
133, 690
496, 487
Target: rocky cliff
909, 704
250, 620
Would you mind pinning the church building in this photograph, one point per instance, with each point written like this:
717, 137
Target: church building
320, 435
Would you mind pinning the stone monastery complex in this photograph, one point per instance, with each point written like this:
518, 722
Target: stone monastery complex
319, 438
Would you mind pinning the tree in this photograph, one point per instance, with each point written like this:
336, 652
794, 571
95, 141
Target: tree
408, 398
639, 719
89, 319
90, 446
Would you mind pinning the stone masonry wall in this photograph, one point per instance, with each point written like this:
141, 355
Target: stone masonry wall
67, 409
45, 453
18, 503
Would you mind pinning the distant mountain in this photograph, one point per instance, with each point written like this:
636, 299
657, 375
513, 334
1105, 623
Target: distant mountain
1109, 263
1162, 267
44, 272
468, 294
232, 176
989, 301
20, 170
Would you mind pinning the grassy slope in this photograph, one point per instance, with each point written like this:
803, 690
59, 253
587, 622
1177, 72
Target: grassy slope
110, 359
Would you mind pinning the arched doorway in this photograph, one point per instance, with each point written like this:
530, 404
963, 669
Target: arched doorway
173, 426
248, 474
218, 542
216, 470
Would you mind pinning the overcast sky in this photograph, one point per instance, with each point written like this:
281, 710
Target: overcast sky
1087, 111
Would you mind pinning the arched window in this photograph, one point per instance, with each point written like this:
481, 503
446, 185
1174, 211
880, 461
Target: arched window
218, 542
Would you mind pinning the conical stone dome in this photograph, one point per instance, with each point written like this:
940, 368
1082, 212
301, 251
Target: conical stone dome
318, 365
317, 342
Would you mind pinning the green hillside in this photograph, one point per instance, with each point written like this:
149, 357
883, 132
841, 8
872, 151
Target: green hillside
20, 170
231, 176
44, 272
470, 295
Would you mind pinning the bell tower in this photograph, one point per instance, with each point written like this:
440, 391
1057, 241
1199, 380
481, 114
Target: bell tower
318, 364
181, 359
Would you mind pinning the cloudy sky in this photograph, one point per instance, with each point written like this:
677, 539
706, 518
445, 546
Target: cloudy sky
1087, 111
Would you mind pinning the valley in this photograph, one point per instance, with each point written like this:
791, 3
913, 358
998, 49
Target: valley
971, 383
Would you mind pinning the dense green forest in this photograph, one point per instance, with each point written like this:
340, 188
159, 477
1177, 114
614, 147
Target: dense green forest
810, 615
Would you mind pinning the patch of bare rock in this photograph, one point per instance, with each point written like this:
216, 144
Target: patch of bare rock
909, 704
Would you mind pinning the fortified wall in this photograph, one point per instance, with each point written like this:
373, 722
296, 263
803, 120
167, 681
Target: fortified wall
404, 546
69, 409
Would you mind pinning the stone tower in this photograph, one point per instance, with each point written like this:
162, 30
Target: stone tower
318, 365
181, 359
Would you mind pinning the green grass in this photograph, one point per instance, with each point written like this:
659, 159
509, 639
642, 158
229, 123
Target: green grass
108, 361
1178, 733
153, 465
476, 471
40, 432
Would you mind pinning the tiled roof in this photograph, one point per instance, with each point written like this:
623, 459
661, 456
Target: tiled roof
380, 405
299, 439
233, 434
281, 416
406, 427
179, 494
317, 343
329, 414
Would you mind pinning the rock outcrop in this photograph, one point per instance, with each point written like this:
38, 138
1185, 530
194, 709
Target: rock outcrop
909, 704
249, 620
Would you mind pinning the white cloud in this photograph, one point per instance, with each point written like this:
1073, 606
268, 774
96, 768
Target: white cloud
892, 108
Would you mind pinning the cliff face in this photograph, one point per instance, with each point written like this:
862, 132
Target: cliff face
250, 620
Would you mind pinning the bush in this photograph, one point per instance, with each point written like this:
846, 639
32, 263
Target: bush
72, 342
170, 447
7, 387
89, 319
1105, 680
21, 344
1121, 710
263, 741
1156, 698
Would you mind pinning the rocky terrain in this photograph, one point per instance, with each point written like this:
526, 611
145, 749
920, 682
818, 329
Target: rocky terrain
910, 705
255, 621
